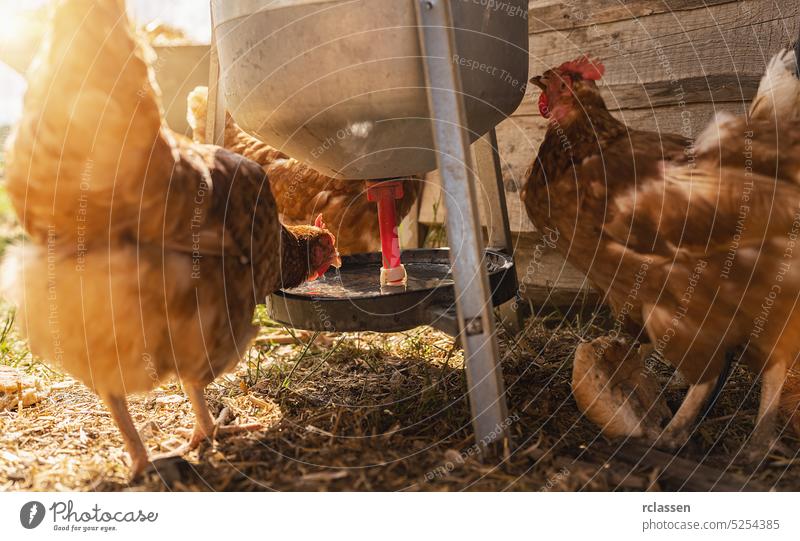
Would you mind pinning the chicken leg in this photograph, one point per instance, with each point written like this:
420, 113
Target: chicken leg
118, 406
205, 426
679, 428
764, 438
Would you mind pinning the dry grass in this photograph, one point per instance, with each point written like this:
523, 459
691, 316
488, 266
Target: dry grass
360, 412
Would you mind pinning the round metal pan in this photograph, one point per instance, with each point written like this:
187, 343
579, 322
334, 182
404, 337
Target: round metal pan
352, 299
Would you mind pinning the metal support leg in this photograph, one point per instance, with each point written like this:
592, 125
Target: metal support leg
473, 298
495, 216
215, 120
495, 208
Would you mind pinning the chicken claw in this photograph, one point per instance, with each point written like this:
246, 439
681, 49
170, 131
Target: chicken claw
206, 427
680, 427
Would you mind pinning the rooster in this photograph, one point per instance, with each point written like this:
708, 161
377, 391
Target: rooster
147, 254
690, 244
302, 192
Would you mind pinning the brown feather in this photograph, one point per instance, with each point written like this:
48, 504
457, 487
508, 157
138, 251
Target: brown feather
303, 193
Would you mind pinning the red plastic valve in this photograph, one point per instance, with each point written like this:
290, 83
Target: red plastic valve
384, 193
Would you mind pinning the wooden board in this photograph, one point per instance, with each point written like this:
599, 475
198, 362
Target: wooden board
547, 15
546, 280
689, 91
725, 39
179, 70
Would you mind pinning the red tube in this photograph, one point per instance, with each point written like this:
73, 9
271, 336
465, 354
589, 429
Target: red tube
384, 194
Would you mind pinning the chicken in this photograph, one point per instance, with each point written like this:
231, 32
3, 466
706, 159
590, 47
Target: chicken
585, 143
778, 101
615, 391
146, 255
302, 192
696, 247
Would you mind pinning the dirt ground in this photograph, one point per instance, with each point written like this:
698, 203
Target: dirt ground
376, 412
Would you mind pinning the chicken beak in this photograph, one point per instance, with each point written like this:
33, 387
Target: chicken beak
538, 82
337, 261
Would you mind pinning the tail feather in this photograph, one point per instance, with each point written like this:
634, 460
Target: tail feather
196, 113
778, 95
91, 139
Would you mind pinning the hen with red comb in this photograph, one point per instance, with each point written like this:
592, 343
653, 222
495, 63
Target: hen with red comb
586, 161
664, 239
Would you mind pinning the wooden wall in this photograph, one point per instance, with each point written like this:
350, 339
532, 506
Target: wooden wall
670, 65
179, 70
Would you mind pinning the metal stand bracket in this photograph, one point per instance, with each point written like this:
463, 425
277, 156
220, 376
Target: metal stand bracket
215, 115
495, 214
495, 208
473, 297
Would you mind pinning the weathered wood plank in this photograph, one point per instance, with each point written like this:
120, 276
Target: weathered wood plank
687, 120
558, 15
730, 38
432, 207
179, 69
711, 89
675, 472
544, 277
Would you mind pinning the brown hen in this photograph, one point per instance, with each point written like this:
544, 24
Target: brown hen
146, 255
586, 159
614, 389
690, 245
301, 192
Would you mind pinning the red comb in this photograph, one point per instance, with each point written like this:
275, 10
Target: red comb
320, 223
584, 66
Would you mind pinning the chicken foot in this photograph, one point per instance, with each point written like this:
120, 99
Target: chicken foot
764, 437
206, 427
677, 432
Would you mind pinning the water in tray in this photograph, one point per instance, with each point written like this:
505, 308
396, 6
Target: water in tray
364, 281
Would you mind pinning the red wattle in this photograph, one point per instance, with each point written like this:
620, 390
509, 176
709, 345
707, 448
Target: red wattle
544, 105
